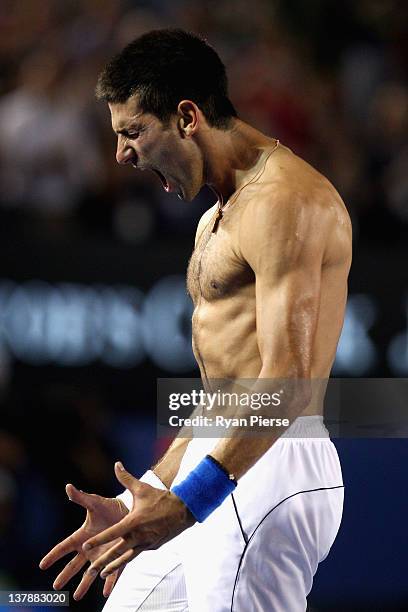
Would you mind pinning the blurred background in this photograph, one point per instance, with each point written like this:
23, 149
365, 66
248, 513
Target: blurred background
93, 306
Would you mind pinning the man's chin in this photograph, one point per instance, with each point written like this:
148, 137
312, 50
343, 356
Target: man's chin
181, 194
187, 196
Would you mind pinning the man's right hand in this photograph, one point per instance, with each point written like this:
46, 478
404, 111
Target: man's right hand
101, 513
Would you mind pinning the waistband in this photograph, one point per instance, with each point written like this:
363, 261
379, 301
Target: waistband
307, 427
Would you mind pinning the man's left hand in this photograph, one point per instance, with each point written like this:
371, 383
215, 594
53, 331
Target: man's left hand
157, 516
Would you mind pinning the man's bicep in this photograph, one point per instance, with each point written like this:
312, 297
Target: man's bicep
286, 255
286, 316
285, 248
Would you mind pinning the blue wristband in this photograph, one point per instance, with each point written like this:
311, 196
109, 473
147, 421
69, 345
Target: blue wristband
205, 488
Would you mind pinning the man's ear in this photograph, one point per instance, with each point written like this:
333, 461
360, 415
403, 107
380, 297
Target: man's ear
188, 117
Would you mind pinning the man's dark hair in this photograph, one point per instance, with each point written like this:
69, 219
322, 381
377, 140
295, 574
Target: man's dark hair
164, 67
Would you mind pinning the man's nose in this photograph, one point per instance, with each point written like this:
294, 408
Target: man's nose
125, 154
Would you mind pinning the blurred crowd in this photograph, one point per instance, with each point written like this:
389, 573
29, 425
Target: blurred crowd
328, 78
53, 432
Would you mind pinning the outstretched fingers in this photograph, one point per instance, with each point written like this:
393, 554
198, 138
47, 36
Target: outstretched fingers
110, 583
112, 554
60, 550
86, 500
84, 585
108, 535
88, 578
69, 571
121, 561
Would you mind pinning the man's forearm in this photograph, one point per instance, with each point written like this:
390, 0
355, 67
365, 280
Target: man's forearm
163, 473
229, 451
167, 467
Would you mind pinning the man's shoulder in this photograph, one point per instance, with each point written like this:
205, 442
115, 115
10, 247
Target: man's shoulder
297, 208
292, 189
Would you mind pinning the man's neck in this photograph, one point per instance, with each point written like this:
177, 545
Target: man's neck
232, 157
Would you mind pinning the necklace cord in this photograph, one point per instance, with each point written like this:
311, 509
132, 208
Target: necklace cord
222, 207
255, 178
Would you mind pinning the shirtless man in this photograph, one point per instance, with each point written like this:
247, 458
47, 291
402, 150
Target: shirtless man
268, 277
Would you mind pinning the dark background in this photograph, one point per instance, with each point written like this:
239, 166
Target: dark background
93, 305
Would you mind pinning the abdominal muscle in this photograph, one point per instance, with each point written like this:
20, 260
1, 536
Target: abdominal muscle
225, 341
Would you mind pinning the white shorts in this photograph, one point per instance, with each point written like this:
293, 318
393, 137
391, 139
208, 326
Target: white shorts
257, 552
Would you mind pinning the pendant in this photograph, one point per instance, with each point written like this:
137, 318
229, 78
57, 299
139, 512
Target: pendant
217, 221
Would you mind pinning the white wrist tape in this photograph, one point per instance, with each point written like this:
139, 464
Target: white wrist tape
148, 477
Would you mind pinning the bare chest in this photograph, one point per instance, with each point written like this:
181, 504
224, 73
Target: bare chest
215, 269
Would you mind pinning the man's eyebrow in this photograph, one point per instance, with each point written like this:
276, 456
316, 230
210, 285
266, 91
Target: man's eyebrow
125, 131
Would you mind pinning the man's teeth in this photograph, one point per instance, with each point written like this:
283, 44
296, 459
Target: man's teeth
163, 180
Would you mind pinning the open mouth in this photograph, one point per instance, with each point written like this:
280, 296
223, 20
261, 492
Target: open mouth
163, 179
